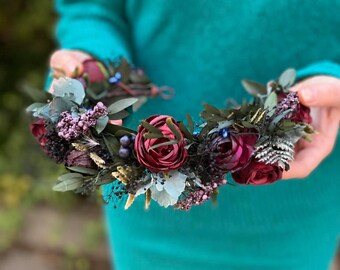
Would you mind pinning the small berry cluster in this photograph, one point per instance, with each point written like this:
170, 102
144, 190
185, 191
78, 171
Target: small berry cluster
126, 145
70, 127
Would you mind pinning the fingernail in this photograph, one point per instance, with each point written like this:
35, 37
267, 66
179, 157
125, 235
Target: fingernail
307, 95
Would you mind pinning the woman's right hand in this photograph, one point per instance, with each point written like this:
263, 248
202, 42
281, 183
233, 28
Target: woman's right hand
67, 63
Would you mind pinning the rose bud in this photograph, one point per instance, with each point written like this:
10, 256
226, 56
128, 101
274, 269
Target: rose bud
231, 152
162, 158
258, 173
79, 159
39, 131
93, 70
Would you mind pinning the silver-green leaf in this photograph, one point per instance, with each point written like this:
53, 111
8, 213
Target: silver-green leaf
121, 105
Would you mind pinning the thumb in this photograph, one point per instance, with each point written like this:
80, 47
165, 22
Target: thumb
320, 95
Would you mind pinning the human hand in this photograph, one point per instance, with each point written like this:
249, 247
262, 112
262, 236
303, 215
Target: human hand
70, 63
67, 63
322, 95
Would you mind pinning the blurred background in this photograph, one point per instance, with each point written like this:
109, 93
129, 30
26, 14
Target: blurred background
39, 229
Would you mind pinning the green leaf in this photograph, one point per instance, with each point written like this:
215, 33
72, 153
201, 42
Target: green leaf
35, 106
121, 133
112, 144
68, 176
151, 128
69, 184
185, 131
254, 88
124, 69
278, 118
287, 78
190, 123
211, 109
57, 106
101, 123
270, 103
153, 136
69, 87
35, 94
174, 129
121, 105
83, 170
113, 129
120, 115
163, 144
247, 124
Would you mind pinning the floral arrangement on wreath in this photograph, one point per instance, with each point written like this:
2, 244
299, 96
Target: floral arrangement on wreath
165, 160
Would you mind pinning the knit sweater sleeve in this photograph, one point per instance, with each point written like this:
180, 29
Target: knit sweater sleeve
98, 27
319, 68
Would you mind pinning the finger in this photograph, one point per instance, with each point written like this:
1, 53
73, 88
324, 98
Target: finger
320, 95
68, 62
308, 158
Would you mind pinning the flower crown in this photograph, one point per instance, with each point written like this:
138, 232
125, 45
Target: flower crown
165, 160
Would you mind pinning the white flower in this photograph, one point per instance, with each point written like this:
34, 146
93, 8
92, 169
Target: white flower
165, 188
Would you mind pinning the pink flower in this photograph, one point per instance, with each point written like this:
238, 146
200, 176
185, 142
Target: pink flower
162, 158
233, 152
39, 131
258, 173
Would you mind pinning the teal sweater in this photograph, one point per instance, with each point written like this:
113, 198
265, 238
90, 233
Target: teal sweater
203, 49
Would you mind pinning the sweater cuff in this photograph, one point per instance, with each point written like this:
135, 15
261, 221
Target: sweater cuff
319, 68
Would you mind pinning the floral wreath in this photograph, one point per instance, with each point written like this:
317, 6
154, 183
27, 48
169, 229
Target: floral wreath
165, 160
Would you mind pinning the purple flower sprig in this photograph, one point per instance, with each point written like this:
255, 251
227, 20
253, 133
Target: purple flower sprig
70, 127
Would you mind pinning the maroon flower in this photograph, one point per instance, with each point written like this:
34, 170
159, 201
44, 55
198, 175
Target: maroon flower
232, 152
39, 131
93, 70
162, 158
79, 159
302, 115
258, 173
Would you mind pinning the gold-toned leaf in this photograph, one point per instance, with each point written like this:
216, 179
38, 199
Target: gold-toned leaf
147, 199
80, 146
129, 201
98, 160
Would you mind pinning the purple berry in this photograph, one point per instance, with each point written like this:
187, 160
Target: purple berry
125, 141
124, 152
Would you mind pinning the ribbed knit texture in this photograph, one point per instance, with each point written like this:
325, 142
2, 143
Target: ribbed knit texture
203, 49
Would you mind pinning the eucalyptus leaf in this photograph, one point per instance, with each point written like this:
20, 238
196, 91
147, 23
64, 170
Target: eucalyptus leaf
83, 170
174, 129
270, 103
68, 176
35, 106
69, 184
69, 87
101, 123
120, 115
163, 144
151, 128
254, 88
190, 123
287, 78
121, 105
57, 106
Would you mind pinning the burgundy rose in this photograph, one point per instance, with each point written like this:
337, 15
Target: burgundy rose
302, 114
162, 158
39, 131
258, 173
79, 159
232, 152
93, 70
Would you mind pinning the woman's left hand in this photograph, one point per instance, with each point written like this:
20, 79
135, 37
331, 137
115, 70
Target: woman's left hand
322, 95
